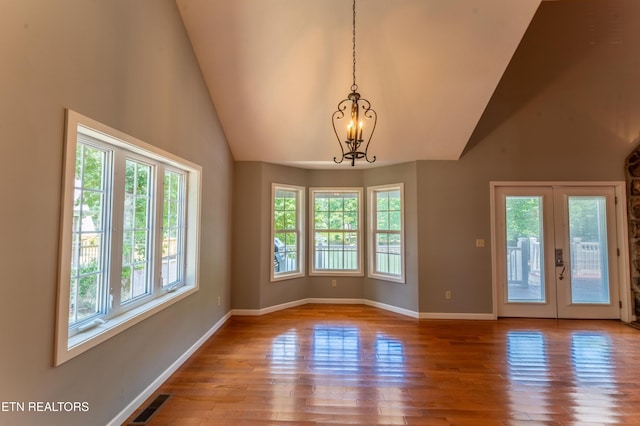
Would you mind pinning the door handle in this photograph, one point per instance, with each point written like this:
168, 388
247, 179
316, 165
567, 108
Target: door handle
559, 261
561, 276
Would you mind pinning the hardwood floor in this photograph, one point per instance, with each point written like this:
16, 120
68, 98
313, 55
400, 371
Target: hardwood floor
347, 364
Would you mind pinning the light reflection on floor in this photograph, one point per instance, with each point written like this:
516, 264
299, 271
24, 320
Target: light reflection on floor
527, 357
338, 351
595, 380
529, 374
284, 351
389, 356
589, 379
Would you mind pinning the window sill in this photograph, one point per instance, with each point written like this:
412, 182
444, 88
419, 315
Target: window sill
390, 278
285, 276
68, 348
337, 273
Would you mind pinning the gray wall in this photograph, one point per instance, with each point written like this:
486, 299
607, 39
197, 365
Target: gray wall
251, 286
566, 109
128, 64
246, 256
400, 295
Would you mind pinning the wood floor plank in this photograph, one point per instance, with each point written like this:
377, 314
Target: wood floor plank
355, 364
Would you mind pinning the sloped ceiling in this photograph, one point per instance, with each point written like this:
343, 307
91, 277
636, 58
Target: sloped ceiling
276, 70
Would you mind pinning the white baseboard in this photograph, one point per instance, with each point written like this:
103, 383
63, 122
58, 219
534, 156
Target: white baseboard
397, 310
140, 399
263, 311
335, 301
257, 312
456, 316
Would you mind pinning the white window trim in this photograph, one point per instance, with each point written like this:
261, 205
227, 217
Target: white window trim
371, 192
67, 347
312, 228
300, 215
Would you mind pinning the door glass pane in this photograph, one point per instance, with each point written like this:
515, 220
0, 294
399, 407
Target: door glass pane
588, 248
525, 269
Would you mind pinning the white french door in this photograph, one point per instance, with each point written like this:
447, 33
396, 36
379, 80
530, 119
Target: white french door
556, 251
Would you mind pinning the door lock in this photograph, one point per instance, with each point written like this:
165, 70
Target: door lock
559, 261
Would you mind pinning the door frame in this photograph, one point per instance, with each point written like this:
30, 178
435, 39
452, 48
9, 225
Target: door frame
622, 237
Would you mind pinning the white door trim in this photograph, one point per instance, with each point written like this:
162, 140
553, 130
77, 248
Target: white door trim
622, 237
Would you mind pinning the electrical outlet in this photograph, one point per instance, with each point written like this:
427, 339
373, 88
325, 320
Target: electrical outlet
480, 243
447, 294
333, 283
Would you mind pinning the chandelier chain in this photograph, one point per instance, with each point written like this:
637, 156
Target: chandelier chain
355, 86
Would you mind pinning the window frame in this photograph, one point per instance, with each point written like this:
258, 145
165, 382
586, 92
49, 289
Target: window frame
372, 192
114, 317
182, 225
359, 272
299, 230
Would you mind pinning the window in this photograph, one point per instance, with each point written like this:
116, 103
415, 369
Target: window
173, 228
336, 237
125, 248
386, 239
286, 231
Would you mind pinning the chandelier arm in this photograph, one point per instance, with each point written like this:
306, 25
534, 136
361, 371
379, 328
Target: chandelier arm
338, 115
366, 149
370, 114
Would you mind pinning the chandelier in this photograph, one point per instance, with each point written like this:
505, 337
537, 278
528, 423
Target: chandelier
359, 111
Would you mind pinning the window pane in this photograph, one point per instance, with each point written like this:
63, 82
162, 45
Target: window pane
336, 203
350, 220
285, 252
321, 203
337, 249
290, 220
322, 220
382, 253
382, 199
382, 221
351, 202
321, 250
87, 294
395, 220
336, 220
173, 228
386, 248
278, 220
286, 230
136, 235
88, 248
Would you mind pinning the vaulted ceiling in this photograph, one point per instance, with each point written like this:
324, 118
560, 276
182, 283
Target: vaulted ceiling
276, 70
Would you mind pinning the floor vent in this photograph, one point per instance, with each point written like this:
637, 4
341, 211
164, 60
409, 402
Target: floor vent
151, 409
